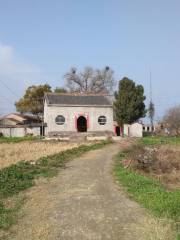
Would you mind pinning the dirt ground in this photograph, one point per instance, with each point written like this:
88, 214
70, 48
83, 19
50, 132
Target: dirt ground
84, 203
11, 153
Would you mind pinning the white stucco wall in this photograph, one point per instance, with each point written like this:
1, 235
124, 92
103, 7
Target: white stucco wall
133, 130
19, 131
13, 132
35, 131
71, 113
136, 130
5, 131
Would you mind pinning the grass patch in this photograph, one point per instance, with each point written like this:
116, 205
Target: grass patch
156, 140
22, 175
149, 192
8, 214
17, 139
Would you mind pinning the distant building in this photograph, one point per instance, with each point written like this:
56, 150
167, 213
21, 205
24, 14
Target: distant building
20, 125
70, 113
13, 119
148, 129
138, 129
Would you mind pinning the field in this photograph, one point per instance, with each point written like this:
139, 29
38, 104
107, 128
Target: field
11, 153
150, 172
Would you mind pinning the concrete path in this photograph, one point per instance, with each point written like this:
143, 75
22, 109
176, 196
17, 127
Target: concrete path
84, 202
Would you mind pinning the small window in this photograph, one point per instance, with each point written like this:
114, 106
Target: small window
148, 129
60, 120
102, 120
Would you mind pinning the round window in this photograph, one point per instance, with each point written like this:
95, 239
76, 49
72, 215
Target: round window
102, 120
60, 120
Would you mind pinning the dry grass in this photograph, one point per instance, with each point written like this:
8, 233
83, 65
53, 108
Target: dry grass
162, 163
11, 153
167, 168
154, 228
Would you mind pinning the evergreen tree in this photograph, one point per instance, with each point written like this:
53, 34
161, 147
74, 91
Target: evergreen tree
129, 102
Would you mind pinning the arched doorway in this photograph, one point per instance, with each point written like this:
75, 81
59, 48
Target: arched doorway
82, 124
118, 131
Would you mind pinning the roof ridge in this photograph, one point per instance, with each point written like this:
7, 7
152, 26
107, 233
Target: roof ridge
77, 94
78, 99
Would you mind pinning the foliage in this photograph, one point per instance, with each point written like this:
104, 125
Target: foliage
60, 90
151, 141
90, 80
149, 192
22, 175
129, 104
17, 139
172, 120
8, 214
151, 112
33, 99
142, 158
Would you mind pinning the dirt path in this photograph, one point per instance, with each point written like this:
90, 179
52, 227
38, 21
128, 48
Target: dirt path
83, 202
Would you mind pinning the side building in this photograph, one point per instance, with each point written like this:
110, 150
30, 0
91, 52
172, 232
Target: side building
20, 125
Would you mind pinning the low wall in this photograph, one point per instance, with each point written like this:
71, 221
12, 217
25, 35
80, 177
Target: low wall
19, 131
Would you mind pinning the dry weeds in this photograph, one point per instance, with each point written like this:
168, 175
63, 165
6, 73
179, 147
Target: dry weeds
11, 153
168, 165
162, 163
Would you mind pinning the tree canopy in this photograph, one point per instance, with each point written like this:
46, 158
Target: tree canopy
90, 80
129, 102
32, 101
60, 90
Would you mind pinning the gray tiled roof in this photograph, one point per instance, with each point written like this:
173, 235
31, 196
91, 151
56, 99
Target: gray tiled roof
77, 99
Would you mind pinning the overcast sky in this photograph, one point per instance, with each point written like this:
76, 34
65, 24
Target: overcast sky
41, 39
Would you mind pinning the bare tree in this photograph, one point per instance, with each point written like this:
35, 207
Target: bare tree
172, 120
90, 80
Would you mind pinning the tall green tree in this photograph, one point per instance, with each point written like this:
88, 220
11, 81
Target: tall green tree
33, 99
129, 102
